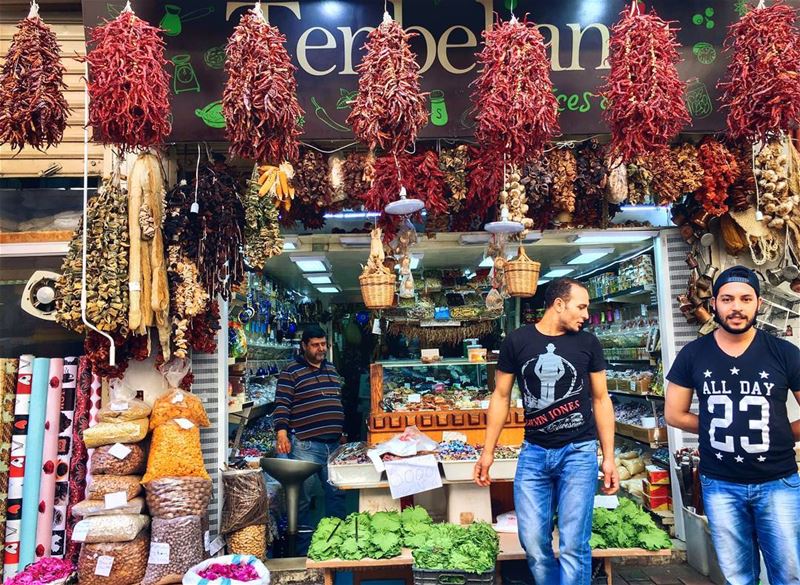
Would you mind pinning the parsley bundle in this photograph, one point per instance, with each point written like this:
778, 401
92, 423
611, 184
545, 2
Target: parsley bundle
627, 526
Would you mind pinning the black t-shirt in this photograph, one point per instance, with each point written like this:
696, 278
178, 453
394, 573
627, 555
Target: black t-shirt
745, 434
553, 375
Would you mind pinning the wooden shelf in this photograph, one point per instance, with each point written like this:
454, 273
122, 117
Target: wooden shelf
654, 437
637, 394
632, 295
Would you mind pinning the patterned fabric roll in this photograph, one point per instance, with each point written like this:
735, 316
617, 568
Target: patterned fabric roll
79, 457
47, 483
8, 382
16, 472
69, 384
95, 401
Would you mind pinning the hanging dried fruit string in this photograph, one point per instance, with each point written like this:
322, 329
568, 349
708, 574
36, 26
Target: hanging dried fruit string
762, 87
564, 170
720, 171
538, 181
517, 111
743, 191
390, 109
453, 163
644, 91
591, 208
128, 85
33, 109
358, 173
260, 98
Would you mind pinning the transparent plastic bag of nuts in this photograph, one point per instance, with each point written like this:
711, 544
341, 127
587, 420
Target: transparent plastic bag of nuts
112, 528
246, 502
251, 540
170, 497
104, 463
103, 485
89, 508
122, 404
176, 545
128, 566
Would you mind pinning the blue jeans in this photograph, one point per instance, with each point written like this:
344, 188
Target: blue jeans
334, 498
745, 517
557, 481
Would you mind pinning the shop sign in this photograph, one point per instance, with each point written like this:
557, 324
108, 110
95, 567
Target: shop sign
413, 475
325, 38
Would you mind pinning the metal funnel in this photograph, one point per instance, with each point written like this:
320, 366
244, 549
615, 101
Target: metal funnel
291, 473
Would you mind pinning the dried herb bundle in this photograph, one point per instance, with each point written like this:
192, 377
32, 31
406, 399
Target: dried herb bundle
590, 185
564, 170
453, 162
762, 87
644, 91
33, 109
517, 111
262, 233
390, 109
128, 85
260, 98
720, 171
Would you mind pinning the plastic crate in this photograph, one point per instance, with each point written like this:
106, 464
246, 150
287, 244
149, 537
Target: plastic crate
503, 469
438, 577
458, 470
348, 475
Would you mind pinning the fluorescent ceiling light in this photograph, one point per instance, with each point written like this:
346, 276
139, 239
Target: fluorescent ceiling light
559, 271
329, 289
487, 262
588, 255
310, 263
290, 244
415, 258
319, 279
609, 237
357, 241
543, 281
533, 236
473, 239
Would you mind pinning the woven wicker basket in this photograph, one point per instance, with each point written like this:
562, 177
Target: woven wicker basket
522, 275
378, 290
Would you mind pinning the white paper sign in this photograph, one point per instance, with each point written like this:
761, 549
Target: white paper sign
376, 327
80, 532
184, 423
119, 406
159, 553
413, 398
119, 451
116, 500
454, 436
177, 398
413, 475
103, 567
484, 404
610, 502
216, 546
206, 539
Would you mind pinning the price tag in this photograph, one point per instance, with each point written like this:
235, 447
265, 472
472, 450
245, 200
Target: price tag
216, 546
134, 286
484, 404
206, 540
159, 553
413, 475
414, 398
633, 386
177, 398
184, 423
519, 402
80, 532
376, 327
103, 567
116, 500
119, 451
119, 406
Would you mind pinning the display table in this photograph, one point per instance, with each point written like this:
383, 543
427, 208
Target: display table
510, 550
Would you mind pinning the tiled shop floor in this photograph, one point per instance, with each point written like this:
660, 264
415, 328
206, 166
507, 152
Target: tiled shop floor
660, 575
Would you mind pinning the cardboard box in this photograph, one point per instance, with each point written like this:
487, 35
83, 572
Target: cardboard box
656, 504
657, 476
656, 491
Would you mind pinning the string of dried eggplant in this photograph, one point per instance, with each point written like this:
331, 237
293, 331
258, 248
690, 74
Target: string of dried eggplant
564, 169
453, 162
261, 230
591, 207
538, 182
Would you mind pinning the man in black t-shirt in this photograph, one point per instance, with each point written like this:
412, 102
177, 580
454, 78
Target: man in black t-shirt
742, 378
561, 373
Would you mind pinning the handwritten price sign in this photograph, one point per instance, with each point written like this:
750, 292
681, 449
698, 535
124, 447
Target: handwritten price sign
413, 476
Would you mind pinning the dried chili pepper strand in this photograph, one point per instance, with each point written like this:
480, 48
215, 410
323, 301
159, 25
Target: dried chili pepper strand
260, 97
128, 85
33, 109
720, 172
646, 109
762, 86
485, 180
517, 111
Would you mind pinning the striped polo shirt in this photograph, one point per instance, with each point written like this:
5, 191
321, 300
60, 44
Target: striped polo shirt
308, 401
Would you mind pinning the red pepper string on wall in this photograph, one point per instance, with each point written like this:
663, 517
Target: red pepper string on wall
762, 86
390, 109
517, 111
260, 98
644, 91
128, 85
33, 109
720, 171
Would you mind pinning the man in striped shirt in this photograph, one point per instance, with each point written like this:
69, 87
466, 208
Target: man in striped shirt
309, 416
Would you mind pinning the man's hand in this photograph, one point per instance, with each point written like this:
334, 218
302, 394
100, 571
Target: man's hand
610, 476
481, 473
283, 444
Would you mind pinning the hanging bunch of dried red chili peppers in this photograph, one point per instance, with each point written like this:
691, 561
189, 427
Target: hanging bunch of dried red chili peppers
33, 109
419, 173
260, 98
390, 108
762, 89
128, 85
484, 181
720, 171
644, 91
517, 111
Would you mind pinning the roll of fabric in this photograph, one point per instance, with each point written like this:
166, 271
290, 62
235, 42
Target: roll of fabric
8, 383
95, 401
16, 471
79, 457
69, 382
33, 462
47, 482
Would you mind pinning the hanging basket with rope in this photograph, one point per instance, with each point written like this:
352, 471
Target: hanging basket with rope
522, 275
378, 283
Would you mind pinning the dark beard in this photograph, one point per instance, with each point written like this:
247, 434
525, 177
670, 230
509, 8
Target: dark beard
732, 331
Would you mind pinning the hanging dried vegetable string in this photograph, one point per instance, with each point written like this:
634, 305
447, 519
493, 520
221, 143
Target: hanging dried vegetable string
262, 234
260, 98
358, 173
762, 86
311, 183
96, 347
453, 162
666, 185
720, 171
617, 191
128, 85
646, 109
640, 182
420, 174
33, 109
743, 191
591, 207
484, 182
336, 180
513, 197
389, 109
276, 182
772, 174
690, 171
564, 170
517, 110
538, 182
